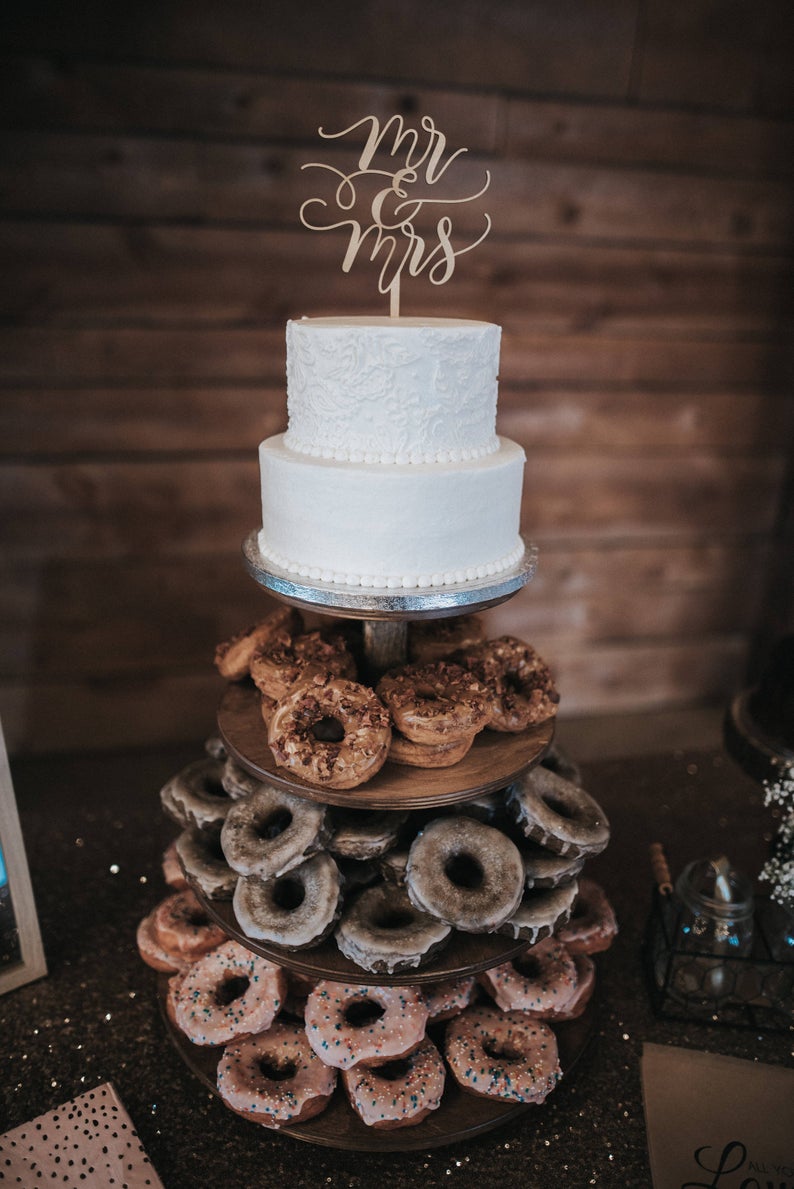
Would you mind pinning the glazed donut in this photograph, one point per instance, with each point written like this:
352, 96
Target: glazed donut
153, 953
275, 1078
363, 833
583, 992
436, 639
504, 1055
296, 910
277, 667
399, 1093
465, 873
560, 762
544, 869
181, 926
272, 831
448, 999
201, 857
354, 718
233, 656
382, 931
520, 685
173, 874
215, 748
593, 926
195, 796
541, 980
392, 867
237, 781
558, 815
540, 913
349, 1026
427, 755
228, 993
356, 873
436, 703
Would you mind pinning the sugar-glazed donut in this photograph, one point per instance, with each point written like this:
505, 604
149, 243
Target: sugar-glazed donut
437, 639
201, 857
279, 665
520, 685
173, 874
541, 912
349, 1026
449, 998
275, 1078
182, 927
557, 814
228, 993
237, 781
331, 732
540, 980
296, 910
233, 656
364, 833
153, 953
435, 703
583, 993
399, 1093
195, 796
271, 831
504, 1055
593, 925
465, 873
428, 755
544, 869
382, 931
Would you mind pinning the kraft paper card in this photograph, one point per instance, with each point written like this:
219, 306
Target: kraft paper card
717, 1122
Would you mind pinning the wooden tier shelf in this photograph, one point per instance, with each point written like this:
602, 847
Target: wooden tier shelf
494, 761
460, 1115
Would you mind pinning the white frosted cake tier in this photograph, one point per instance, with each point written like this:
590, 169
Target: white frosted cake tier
391, 526
392, 390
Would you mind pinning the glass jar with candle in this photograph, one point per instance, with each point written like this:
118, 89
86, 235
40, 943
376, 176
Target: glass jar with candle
714, 926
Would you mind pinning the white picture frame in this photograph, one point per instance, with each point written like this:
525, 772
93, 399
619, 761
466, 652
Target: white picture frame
22, 957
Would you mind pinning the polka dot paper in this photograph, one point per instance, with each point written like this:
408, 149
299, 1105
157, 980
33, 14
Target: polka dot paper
89, 1141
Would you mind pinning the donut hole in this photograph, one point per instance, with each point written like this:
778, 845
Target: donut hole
328, 730
464, 870
288, 893
361, 1013
274, 824
393, 918
394, 1071
196, 918
558, 806
214, 788
231, 988
277, 1071
500, 1050
528, 966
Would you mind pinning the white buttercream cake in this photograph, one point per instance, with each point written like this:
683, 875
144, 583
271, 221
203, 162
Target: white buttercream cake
391, 474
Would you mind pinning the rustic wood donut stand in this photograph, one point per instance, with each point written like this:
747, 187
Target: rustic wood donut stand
493, 762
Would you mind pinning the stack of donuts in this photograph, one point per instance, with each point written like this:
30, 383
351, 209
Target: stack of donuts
284, 1042
330, 728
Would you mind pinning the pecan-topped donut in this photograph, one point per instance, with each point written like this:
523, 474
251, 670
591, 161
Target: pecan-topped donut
331, 732
233, 656
557, 814
435, 703
465, 873
519, 682
279, 665
437, 639
428, 755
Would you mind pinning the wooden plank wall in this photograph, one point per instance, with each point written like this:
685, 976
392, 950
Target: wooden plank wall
640, 265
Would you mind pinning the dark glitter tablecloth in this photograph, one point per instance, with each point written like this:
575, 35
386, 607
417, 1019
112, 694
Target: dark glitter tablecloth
94, 835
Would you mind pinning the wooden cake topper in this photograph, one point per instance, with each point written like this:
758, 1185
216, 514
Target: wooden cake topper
387, 220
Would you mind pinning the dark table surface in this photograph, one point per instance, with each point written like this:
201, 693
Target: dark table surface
94, 834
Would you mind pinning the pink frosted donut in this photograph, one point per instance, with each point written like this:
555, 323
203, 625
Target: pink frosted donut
348, 1026
275, 1078
447, 999
173, 874
583, 993
539, 981
153, 953
592, 926
227, 994
399, 1093
505, 1055
182, 927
